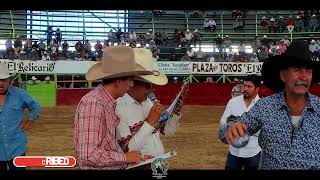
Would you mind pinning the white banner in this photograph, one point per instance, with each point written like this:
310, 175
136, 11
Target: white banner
226, 68
172, 67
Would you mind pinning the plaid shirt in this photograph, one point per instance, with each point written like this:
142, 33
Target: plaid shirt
95, 126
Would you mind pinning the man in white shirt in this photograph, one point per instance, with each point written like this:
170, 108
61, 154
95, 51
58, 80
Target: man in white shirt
246, 157
139, 127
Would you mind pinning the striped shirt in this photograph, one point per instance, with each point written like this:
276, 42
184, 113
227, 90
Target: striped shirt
95, 126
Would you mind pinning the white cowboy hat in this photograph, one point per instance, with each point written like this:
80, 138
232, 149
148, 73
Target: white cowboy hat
281, 17
4, 72
145, 59
272, 19
263, 17
117, 61
265, 36
196, 30
47, 78
33, 78
188, 30
298, 17
227, 36
313, 41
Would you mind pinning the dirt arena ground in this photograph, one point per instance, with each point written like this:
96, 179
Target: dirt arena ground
196, 140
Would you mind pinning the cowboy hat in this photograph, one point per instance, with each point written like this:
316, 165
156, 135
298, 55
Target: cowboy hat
117, 61
33, 78
144, 58
296, 55
4, 72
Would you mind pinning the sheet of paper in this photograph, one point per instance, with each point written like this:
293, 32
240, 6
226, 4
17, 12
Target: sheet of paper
174, 103
164, 156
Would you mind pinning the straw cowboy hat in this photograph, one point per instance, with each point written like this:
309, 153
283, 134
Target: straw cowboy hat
4, 72
144, 58
296, 55
117, 61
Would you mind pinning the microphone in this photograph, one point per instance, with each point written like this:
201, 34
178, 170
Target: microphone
153, 98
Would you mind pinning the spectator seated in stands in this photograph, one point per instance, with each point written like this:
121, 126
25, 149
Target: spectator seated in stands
173, 57
189, 37
272, 49
11, 53
34, 54
191, 53
196, 37
79, 47
65, 47
212, 25
211, 58
8, 45
45, 56
86, 57
313, 24
58, 36
133, 44
254, 58
227, 42
238, 24
55, 47
299, 24
286, 40
176, 38
242, 49
290, 24
36, 46
158, 38
17, 46
164, 38
155, 54
200, 57
206, 25
111, 37
273, 25
255, 45
265, 41
281, 24
264, 24
54, 54
105, 44
152, 46
132, 37
42, 47
263, 53
185, 57
98, 48
78, 57
87, 47
219, 43
282, 47
315, 49
183, 40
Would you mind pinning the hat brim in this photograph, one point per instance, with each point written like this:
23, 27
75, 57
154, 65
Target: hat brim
161, 79
95, 72
2, 77
272, 66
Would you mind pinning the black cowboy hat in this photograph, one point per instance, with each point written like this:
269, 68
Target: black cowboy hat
296, 55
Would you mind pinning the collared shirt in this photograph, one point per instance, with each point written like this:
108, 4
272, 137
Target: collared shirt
237, 106
134, 133
13, 139
95, 126
284, 146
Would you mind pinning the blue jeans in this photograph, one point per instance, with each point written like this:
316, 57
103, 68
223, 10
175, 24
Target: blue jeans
239, 163
4, 165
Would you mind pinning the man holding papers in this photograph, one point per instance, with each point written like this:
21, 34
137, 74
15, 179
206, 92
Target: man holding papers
139, 116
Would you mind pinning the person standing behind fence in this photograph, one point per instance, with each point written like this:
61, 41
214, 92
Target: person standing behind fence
246, 157
13, 102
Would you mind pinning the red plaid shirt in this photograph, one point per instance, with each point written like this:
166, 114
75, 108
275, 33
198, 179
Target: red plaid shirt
95, 132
